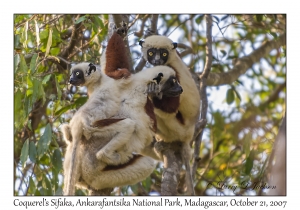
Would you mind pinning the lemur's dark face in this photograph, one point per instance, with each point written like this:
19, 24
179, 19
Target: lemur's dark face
171, 88
77, 77
157, 56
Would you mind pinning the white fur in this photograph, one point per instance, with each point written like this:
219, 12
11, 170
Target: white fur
114, 144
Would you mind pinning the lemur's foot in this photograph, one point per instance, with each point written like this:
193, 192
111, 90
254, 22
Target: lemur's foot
111, 158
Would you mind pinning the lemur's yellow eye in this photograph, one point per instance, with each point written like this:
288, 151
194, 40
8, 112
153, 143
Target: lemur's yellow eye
150, 53
174, 80
164, 54
77, 73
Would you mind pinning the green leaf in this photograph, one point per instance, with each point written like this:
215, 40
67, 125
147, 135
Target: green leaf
33, 63
35, 89
29, 81
225, 17
37, 193
56, 37
17, 40
59, 192
147, 183
28, 104
58, 88
24, 152
24, 37
249, 163
47, 187
134, 188
237, 94
199, 19
44, 34
38, 40
262, 171
57, 160
229, 96
95, 28
44, 160
49, 43
216, 18
16, 62
247, 143
259, 17
41, 93
80, 101
17, 104
223, 52
46, 79
219, 119
55, 51
23, 65
63, 110
44, 141
80, 19
98, 22
32, 152
32, 187
274, 34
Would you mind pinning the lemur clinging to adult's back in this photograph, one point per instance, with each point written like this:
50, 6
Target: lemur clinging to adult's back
176, 116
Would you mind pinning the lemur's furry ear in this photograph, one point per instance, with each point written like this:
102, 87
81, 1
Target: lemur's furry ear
92, 68
141, 43
174, 45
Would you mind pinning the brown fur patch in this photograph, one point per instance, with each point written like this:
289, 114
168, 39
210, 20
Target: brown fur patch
167, 104
179, 117
118, 167
119, 74
117, 63
149, 108
105, 122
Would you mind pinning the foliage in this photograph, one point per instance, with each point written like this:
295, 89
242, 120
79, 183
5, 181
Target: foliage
240, 132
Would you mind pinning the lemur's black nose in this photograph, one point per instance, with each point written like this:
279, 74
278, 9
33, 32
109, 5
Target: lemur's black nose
71, 81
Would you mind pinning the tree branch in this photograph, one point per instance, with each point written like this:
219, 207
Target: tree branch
187, 50
133, 22
191, 17
172, 165
277, 171
140, 33
140, 65
83, 46
23, 22
274, 95
73, 41
150, 31
51, 21
203, 83
241, 65
102, 192
153, 27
